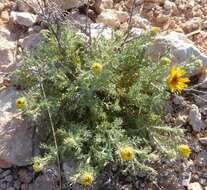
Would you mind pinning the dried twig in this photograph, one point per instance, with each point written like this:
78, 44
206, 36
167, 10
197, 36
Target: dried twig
130, 20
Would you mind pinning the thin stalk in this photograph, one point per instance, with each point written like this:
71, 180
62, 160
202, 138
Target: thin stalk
54, 135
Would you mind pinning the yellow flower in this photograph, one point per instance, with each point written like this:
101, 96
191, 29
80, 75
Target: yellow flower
127, 153
97, 68
87, 179
165, 61
155, 30
21, 103
38, 166
176, 80
184, 150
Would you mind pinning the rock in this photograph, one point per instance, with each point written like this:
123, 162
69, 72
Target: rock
107, 4
4, 164
195, 186
168, 5
180, 47
31, 41
200, 99
185, 4
203, 79
17, 184
10, 188
25, 186
186, 178
43, 183
204, 26
5, 173
51, 171
23, 18
25, 176
79, 20
5, 16
7, 51
137, 31
112, 18
31, 6
70, 167
69, 4
34, 29
195, 119
99, 30
202, 159
15, 134
203, 140
140, 22
192, 25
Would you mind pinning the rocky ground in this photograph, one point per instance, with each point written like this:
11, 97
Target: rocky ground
180, 21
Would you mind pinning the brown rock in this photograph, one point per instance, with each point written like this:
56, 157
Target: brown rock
4, 164
112, 18
192, 25
7, 51
5, 16
107, 4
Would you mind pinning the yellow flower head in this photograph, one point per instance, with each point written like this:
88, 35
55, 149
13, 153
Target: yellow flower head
21, 103
184, 150
127, 153
38, 166
87, 179
97, 68
155, 30
165, 61
176, 80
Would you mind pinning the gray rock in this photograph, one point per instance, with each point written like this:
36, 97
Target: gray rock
23, 18
10, 188
195, 186
5, 173
203, 80
202, 159
25, 176
24, 186
195, 119
17, 184
200, 99
100, 30
9, 178
3, 185
70, 167
51, 171
186, 178
180, 47
31, 41
43, 183
15, 133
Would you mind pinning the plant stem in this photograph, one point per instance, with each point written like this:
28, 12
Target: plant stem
54, 135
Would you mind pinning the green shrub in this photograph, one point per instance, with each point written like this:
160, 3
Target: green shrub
97, 110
